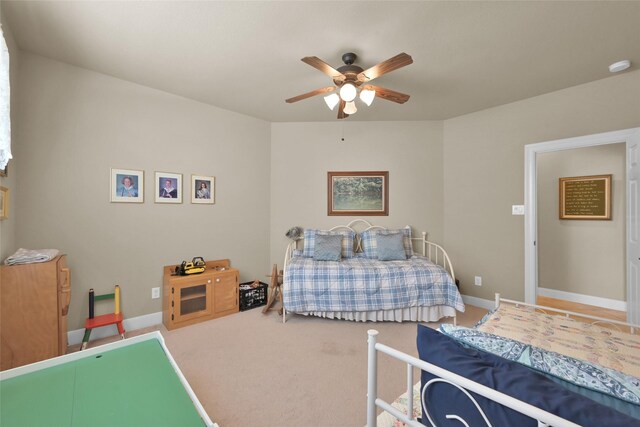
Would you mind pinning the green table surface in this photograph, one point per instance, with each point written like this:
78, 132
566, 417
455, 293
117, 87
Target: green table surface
129, 386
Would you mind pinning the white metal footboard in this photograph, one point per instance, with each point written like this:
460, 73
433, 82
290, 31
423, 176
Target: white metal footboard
544, 418
594, 320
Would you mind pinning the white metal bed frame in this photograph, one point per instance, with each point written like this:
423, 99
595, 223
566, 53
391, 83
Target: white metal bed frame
544, 418
434, 252
594, 319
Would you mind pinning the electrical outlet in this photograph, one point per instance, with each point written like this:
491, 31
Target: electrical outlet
155, 293
478, 281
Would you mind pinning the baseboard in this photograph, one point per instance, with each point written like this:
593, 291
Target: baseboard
131, 324
479, 302
612, 304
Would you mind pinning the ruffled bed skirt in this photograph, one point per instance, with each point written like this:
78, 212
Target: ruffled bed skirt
409, 314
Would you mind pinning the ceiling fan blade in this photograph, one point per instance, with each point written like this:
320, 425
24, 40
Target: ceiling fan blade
310, 94
391, 64
388, 94
318, 63
341, 113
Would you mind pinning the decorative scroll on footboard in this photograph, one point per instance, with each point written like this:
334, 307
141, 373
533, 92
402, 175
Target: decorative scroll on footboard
436, 254
443, 376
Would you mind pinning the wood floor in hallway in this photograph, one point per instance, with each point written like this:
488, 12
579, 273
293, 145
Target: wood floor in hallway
583, 309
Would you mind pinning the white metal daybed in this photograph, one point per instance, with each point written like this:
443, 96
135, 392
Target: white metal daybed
428, 252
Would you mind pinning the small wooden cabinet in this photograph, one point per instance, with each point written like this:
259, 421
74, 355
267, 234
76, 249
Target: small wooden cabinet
199, 297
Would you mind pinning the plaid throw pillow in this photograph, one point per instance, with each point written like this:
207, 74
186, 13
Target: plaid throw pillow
348, 238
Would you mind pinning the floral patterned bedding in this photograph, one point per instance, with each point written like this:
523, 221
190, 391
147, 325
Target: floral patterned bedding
593, 357
385, 419
585, 374
606, 347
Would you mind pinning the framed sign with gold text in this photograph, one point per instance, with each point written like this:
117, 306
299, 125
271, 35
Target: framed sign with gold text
585, 197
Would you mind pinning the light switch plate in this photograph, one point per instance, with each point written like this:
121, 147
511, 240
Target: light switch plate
517, 210
155, 293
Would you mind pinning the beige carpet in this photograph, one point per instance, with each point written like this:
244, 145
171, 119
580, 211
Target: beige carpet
249, 369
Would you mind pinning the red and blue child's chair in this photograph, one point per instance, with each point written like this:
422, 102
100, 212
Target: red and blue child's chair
114, 318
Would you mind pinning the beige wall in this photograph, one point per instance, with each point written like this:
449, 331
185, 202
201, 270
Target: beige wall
455, 179
582, 256
303, 153
484, 173
8, 226
74, 125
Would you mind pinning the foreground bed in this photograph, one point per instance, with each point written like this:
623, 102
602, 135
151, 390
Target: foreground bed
133, 382
345, 274
463, 379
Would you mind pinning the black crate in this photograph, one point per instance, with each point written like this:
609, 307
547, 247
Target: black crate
252, 297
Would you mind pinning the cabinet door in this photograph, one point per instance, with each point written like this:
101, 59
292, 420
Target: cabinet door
192, 299
225, 291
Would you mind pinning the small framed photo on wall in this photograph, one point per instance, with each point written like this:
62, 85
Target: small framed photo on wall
168, 187
203, 189
4, 203
127, 186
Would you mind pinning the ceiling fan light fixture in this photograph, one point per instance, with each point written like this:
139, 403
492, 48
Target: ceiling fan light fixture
350, 108
348, 92
367, 96
332, 100
351, 81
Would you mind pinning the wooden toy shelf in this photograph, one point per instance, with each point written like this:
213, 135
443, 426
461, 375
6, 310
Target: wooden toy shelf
195, 298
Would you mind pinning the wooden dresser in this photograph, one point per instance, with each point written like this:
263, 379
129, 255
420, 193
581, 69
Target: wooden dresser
34, 302
199, 297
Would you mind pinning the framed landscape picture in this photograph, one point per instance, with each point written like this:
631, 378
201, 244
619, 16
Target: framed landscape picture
127, 186
203, 189
168, 187
358, 193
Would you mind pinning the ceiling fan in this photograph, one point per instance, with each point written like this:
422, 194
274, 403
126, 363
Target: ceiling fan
350, 79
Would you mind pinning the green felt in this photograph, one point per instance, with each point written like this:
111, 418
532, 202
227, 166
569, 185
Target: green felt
103, 297
129, 386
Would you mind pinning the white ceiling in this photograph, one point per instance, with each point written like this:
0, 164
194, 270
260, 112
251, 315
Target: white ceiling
245, 56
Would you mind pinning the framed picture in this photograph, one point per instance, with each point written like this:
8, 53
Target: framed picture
168, 187
4, 203
358, 193
127, 186
203, 189
585, 197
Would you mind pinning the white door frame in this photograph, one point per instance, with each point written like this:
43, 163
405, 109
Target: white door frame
530, 192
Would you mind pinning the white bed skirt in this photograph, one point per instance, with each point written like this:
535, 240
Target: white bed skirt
409, 314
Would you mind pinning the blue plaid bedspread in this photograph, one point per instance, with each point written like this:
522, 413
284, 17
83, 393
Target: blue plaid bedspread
361, 284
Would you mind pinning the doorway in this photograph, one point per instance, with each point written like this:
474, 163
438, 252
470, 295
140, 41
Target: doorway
631, 139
